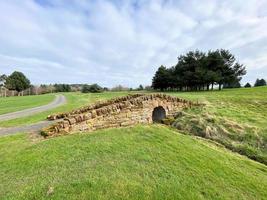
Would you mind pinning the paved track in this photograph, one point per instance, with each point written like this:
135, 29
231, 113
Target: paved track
59, 100
25, 129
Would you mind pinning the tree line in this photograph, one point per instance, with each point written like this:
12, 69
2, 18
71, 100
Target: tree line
197, 70
258, 82
18, 84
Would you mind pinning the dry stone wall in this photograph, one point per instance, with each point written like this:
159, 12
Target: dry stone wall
119, 112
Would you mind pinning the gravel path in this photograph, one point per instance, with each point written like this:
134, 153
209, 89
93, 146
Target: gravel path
58, 101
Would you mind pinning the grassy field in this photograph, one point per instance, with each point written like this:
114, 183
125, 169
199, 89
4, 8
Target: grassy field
142, 162
235, 118
244, 105
12, 104
74, 100
145, 162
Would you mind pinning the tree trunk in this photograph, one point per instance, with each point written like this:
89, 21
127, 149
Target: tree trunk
212, 86
220, 86
208, 87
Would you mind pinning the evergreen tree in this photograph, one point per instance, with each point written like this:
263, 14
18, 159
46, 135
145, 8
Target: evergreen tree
161, 79
247, 85
3, 78
260, 82
197, 70
62, 88
95, 88
17, 81
140, 87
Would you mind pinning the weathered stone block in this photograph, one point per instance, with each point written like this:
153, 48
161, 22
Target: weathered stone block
71, 120
93, 113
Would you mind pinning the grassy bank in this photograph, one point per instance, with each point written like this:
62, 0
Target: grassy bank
143, 162
13, 104
235, 117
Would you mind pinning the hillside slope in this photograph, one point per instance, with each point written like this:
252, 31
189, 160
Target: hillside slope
141, 162
234, 117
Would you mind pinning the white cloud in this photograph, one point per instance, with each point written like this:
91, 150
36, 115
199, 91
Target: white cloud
123, 42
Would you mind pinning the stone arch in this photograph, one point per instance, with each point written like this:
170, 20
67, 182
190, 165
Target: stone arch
122, 111
158, 114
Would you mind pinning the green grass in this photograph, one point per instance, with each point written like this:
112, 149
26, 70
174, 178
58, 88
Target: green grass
142, 162
244, 105
235, 117
13, 104
74, 100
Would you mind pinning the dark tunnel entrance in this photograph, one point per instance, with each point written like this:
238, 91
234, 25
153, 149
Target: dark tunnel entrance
158, 114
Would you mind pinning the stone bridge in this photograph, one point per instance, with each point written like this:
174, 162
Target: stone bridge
119, 112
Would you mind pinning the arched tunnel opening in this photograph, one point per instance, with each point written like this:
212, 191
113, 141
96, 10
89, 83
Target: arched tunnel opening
158, 114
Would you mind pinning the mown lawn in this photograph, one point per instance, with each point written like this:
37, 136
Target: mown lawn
74, 100
141, 162
244, 105
13, 104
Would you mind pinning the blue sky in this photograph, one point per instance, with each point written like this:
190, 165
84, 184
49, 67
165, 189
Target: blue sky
124, 42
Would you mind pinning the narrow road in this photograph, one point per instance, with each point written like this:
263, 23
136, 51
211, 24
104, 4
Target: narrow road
58, 101
26, 128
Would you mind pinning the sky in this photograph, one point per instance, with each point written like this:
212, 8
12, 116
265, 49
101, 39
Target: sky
124, 42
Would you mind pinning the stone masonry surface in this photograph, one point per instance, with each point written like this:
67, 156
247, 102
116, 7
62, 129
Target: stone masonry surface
119, 112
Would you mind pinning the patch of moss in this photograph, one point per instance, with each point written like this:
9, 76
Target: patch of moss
43, 133
168, 121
